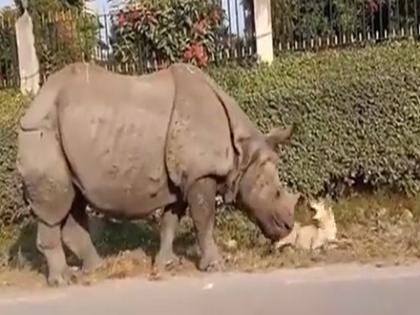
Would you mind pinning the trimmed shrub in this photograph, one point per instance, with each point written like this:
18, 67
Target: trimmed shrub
12, 208
357, 114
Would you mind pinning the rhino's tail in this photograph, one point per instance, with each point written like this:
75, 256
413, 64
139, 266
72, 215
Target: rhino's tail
41, 110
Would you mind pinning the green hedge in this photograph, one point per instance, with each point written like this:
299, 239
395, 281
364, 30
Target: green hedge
12, 208
357, 114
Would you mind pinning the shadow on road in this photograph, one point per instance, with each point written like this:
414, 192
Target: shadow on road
110, 239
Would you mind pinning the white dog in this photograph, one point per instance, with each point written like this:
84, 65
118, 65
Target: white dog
316, 235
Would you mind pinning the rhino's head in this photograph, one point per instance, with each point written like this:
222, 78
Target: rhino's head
260, 192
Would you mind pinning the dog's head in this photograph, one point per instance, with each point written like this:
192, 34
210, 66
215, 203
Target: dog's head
322, 212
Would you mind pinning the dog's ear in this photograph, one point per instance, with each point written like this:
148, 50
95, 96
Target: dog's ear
329, 201
322, 209
330, 211
311, 208
318, 212
328, 204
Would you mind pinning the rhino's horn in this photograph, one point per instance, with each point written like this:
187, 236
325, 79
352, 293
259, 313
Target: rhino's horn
279, 136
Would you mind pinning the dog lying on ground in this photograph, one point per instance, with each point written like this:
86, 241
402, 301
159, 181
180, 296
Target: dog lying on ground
322, 231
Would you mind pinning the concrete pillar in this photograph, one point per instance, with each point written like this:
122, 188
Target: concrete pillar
263, 30
28, 60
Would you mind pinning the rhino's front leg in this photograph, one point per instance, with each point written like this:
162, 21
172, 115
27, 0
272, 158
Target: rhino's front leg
170, 219
201, 199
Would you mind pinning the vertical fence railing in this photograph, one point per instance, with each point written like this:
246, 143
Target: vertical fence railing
318, 24
9, 66
119, 49
238, 40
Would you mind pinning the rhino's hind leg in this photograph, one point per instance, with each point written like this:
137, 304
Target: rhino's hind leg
76, 235
50, 193
201, 199
170, 219
49, 244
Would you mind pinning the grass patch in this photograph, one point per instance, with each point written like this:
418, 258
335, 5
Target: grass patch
381, 230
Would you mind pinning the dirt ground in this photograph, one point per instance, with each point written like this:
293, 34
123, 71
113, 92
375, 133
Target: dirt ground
381, 231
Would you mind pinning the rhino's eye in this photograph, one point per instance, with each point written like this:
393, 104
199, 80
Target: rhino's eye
278, 193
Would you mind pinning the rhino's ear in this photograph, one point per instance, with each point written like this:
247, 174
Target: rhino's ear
279, 136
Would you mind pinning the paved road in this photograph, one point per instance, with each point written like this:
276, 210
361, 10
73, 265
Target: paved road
336, 290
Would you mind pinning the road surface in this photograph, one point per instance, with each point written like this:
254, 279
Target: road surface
334, 290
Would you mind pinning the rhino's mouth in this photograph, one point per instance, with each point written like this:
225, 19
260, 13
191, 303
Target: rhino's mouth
271, 226
274, 228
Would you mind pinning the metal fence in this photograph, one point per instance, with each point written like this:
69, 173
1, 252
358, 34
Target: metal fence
235, 41
9, 67
318, 24
65, 37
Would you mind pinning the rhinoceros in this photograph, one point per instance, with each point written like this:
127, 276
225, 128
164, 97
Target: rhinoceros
129, 145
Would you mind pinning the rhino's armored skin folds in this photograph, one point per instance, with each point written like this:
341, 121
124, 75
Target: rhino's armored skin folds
128, 145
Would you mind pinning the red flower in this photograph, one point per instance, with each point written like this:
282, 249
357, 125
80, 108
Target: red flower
215, 16
199, 27
121, 19
373, 6
188, 54
133, 15
196, 53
